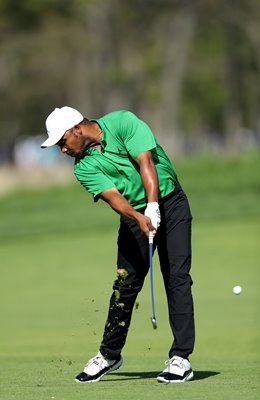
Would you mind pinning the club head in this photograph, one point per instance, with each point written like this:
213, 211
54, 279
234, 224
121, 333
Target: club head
154, 323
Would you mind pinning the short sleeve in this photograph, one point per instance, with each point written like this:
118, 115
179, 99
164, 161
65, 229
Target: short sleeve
136, 134
95, 182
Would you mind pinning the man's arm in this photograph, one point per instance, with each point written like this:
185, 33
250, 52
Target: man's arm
119, 204
148, 175
150, 182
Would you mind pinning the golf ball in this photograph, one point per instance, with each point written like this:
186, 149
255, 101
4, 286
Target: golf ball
237, 289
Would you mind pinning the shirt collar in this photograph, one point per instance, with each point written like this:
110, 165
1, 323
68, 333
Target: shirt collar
103, 142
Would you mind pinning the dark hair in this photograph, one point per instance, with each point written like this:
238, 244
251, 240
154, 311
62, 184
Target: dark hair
84, 121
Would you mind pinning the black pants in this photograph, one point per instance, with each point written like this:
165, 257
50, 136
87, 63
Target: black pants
173, 242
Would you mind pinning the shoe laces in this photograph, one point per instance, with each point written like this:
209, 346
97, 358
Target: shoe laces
99, 360
174, 361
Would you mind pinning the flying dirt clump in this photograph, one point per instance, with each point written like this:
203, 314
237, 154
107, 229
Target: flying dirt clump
122, 273
117, 294
121, 276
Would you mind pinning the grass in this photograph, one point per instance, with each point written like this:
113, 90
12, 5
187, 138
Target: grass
57, 266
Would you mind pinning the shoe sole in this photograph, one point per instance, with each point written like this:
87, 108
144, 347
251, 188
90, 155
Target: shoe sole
186, 379
116, 366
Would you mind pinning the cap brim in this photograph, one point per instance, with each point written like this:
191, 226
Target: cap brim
51, 141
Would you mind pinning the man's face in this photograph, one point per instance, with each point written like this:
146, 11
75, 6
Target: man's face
72, 142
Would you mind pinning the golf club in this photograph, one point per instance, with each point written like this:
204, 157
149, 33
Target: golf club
153, 319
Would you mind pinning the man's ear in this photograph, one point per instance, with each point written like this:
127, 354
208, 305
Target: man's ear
78, 130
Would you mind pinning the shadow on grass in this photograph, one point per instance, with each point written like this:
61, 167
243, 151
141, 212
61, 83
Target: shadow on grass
198, 375
132, 375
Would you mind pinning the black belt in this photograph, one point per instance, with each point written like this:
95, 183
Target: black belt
176, 190
171, 194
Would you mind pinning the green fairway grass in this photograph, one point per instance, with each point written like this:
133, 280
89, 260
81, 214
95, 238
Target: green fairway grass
58, 252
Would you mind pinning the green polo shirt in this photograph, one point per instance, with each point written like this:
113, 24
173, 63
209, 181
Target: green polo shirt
124, 137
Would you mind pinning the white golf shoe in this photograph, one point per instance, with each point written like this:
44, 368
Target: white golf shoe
178, 370
97, 367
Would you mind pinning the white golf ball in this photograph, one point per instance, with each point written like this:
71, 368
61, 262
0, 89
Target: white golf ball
237, 289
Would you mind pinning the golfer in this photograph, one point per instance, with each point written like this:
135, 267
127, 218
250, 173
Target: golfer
118, 160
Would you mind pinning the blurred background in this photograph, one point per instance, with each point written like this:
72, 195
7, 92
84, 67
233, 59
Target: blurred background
191, 69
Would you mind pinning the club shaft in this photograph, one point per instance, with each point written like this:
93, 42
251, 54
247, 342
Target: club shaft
151, 274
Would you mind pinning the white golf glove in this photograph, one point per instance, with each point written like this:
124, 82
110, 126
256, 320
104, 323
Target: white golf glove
153, 212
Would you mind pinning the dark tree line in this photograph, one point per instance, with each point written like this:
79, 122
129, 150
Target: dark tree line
190, 68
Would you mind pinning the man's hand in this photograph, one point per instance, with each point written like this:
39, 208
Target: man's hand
145, 224
153, 212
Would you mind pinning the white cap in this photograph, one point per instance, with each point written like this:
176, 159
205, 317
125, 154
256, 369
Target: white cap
58, 122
